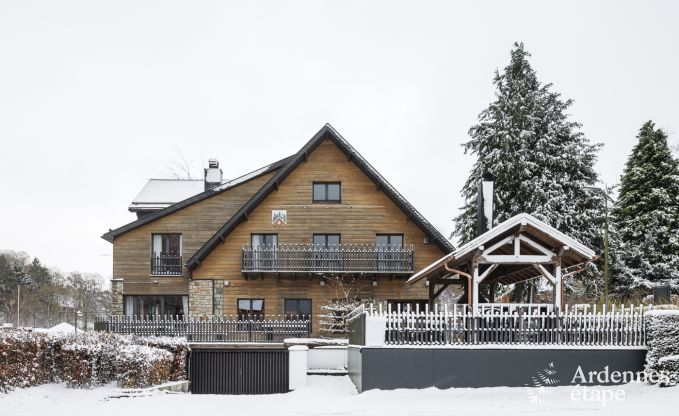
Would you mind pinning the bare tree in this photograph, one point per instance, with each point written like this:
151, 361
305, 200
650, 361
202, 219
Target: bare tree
181, 167
334, 311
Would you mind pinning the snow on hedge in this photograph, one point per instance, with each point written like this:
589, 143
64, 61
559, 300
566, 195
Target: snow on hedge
89, 359
662, 336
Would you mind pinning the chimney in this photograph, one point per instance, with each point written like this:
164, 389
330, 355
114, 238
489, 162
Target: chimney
484, 205
213, 175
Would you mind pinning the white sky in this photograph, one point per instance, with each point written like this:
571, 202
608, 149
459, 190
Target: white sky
96, 96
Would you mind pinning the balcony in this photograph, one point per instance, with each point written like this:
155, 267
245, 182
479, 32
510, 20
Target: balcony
345, 258
166, 265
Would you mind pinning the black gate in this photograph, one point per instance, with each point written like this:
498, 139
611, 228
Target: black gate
239, 371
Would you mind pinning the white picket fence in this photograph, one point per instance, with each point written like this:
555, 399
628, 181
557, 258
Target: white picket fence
586, 325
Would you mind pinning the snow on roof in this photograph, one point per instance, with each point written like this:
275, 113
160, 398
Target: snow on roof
520, 219
160, 193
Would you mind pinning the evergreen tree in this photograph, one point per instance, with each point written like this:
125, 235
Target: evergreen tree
647, 213
540, 161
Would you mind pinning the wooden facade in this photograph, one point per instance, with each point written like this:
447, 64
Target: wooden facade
365, 211
196, 223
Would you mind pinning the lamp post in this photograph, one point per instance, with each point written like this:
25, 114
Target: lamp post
604, 193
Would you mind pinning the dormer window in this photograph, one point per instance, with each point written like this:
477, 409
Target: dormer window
166, 254
327, 192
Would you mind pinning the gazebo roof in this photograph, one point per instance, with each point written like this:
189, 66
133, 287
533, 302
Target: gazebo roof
537, 243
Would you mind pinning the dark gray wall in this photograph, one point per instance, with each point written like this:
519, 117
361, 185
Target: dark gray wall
392, 368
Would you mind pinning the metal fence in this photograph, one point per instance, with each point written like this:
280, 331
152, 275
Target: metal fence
586, 326
318, 258
213, 328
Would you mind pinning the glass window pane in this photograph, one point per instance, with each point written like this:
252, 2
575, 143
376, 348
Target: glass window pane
291, 306
257, 305
382, 240
333, 240
396, 240
171, 244
257, 240
333, 192
272, 239
243, 306
305, 307
319, 239
319, 192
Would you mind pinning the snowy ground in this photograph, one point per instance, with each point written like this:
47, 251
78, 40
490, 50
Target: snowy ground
328, 395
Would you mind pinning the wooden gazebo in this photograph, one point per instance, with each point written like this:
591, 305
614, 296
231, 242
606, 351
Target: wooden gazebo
519, 249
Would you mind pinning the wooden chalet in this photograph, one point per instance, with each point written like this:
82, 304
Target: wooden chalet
273, 241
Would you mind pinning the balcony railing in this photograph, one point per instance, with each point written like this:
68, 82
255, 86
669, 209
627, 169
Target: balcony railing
166, 265
346, 258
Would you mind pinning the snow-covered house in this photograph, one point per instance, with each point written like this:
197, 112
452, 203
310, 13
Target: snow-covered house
270, 242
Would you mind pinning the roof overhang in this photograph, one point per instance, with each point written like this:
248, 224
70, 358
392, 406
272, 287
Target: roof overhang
547, 240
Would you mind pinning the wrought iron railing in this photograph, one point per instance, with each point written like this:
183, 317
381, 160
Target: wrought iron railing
213, 328
166, 265
341, 258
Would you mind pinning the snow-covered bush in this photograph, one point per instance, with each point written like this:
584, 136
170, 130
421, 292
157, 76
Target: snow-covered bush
662, 336
89, 359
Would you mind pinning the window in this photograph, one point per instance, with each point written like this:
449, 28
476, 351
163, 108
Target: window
156, 305
326, 240
264, 251
389, 240
260, 240
297, 309
329, 192
250, 308
389, 252
166, 254
327, 252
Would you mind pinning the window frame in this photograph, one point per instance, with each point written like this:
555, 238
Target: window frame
289, 317
181, 242
326, 235
389, 235
326, 200
250, 314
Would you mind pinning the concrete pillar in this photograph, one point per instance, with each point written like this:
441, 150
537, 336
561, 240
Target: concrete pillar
298, 366
218, 297
116, 296
201, 297
375, 329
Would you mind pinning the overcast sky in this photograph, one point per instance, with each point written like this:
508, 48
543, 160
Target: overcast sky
95, 97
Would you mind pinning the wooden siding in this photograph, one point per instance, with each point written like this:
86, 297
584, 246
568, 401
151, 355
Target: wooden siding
364, 212
197, 223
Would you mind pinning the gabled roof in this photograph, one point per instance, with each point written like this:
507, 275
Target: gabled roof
577, 253
161, 193
109, 236
326, 132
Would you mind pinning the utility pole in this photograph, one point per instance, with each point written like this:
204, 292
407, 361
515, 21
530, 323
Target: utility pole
606, 248
604, 193
18, 302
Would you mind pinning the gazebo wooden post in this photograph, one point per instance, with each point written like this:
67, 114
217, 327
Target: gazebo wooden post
432, 284
558, 286
475, 287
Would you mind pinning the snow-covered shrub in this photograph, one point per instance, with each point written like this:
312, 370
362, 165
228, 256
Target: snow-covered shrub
178, 347
662, 337
22, 357
142, 366
89, 359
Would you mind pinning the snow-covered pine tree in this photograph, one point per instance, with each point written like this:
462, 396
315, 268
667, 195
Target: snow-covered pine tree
540, 161
646, 214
